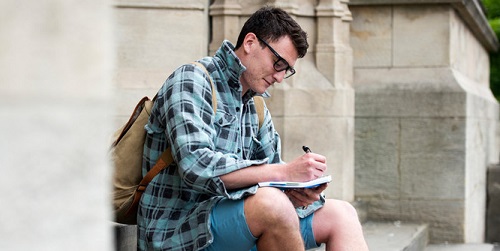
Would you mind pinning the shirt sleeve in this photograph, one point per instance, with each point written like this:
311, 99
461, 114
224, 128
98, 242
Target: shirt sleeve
186, 108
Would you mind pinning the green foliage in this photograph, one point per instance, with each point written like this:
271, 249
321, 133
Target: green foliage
495, 24
492, 8
493, 14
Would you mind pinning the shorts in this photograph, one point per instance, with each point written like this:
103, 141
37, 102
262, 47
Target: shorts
230, 230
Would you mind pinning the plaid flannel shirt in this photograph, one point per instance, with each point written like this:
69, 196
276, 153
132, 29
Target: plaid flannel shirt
174, 210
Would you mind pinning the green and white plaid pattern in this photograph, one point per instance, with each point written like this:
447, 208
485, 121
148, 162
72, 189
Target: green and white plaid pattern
174, 210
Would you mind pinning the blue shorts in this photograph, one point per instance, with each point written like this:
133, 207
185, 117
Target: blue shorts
230, 229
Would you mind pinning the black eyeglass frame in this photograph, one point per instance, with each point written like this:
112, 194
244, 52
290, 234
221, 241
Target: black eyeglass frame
281, 64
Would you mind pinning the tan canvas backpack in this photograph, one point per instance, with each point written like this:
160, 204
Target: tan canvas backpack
127, 151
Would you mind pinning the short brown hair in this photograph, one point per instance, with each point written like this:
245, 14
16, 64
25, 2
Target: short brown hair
270, 24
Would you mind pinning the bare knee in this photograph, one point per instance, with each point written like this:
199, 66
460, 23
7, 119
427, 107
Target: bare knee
347, 210
343, 212
270, 208
336, 217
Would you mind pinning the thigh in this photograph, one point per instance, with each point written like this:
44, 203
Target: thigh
229, 227
306, 230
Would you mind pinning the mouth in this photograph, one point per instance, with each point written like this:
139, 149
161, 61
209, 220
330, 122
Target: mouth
268, 83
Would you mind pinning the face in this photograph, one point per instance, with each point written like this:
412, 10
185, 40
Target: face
266, 65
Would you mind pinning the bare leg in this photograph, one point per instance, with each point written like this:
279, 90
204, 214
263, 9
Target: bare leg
337, 225
271, 217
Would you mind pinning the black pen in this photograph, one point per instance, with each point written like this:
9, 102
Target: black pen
306, 149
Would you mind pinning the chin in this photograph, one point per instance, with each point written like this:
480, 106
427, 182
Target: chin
260, 91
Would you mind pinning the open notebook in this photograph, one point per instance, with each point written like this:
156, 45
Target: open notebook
294, 184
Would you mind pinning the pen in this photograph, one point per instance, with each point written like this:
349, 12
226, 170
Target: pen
306, 149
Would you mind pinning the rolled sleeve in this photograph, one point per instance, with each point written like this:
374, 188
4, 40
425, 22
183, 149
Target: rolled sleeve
203, 148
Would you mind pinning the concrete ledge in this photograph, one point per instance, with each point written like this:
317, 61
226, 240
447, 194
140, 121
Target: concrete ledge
393, 236
471, 11
460, 247
125, 237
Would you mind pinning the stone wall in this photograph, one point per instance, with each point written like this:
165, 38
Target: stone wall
315, 107
153, 38
55, 110
425, 117
424, 114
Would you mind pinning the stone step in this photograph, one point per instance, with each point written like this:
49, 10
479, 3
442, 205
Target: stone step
460, 247
393, 236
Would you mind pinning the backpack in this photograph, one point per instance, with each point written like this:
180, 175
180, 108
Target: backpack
127, 151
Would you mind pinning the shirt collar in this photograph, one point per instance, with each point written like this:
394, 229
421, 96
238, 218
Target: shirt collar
235, 68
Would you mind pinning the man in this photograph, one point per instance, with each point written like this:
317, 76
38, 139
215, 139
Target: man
208, 198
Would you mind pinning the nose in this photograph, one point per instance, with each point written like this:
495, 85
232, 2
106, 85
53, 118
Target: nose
279, 76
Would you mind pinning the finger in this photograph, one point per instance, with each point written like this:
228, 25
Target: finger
319, 189
299, 197
311, 195
296, 202
318, 157
306, 197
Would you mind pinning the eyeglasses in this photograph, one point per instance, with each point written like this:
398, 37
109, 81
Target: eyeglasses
281, 64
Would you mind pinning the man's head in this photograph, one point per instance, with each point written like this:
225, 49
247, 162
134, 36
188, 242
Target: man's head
271, 24
268, 45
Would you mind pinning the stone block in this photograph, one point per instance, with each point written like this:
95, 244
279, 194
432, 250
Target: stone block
432, 158
412, 46
145, 44
409, 103
395, 236
55, 117
384, 208
371, 35
466, 48
125, 237
149, 47
320, 103
376, 150
432, 92
444, 217
460, 247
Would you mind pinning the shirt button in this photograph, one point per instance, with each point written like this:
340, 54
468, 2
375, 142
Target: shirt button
239, 150
237, 109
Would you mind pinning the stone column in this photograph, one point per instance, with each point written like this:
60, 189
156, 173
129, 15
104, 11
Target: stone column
333, 51
333, 59
225, 23
315, 107
425, 117
55, 91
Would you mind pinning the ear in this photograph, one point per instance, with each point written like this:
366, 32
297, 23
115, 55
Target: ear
250, 42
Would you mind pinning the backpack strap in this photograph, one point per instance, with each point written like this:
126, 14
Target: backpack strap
214, 91
259, 106
166, 157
